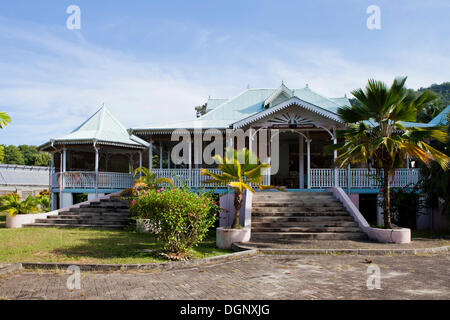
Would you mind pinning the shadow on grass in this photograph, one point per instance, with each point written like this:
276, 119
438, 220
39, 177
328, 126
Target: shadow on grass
3, 220
125, 245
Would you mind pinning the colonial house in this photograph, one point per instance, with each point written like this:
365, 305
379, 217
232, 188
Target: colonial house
99, 156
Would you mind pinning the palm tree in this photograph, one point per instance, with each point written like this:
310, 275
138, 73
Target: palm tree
146, 180
240, 169
435, 182
4, 119
376, 134
12, 204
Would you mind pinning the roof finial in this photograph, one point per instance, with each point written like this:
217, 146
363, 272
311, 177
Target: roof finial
248, 86
345, 95
282, 82
307, 86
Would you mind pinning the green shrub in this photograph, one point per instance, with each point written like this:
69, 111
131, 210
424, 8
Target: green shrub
181, 217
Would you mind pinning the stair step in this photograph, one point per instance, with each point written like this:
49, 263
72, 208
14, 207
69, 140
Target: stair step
59, 225
301, 214
299, 219
296, 203
305, 229
83, 221
303, 224
292, 236
274, 210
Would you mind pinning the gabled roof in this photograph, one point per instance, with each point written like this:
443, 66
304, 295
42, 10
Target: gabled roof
441, 118
249, 102
294, 101
103, 128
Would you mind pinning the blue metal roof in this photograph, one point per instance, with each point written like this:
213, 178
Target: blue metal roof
441, 118
225, 112
102, 127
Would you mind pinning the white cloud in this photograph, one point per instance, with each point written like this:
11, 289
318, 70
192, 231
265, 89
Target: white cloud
52, 79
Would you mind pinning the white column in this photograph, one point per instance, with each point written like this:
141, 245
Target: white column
308, 152
336, 171
96, 171
61, 177
160, 155
140, 159
190, 165
301, 170
52, 195
150, 156
168, 156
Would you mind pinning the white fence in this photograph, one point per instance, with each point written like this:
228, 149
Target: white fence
192, 178
88, 180
361, 178
320, 178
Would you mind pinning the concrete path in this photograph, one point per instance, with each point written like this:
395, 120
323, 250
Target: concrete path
257, 277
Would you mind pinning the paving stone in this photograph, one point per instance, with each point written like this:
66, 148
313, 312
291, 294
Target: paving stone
256, 277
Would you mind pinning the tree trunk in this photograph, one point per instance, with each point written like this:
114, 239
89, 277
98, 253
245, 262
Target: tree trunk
387, 197
237, 208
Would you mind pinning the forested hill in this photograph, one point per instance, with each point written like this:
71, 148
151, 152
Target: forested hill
441, 90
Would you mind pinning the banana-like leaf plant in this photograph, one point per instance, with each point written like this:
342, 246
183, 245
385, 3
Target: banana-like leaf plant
241, 170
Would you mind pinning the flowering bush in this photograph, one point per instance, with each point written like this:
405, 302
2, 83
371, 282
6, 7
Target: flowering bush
181, 217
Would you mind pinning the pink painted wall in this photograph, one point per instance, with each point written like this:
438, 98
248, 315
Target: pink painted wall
227, 213
354, 197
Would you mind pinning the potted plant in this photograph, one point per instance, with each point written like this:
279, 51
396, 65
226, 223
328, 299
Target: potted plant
19, 211
241, 171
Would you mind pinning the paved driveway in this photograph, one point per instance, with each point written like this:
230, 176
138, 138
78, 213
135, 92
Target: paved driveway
258, 277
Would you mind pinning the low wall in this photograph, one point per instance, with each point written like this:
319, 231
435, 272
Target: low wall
19, 220
402, 235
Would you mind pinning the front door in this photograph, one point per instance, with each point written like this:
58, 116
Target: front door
289, 158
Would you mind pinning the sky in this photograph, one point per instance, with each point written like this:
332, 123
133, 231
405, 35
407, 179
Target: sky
152, 62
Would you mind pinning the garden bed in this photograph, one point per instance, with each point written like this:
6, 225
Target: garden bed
89, 246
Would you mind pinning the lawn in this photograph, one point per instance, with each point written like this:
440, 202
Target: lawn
86, 246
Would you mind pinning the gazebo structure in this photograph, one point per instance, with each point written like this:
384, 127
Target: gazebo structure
97, 158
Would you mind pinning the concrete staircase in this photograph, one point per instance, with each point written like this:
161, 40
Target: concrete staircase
111, 213
286, 217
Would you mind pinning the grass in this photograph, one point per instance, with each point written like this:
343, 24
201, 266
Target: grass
87, 246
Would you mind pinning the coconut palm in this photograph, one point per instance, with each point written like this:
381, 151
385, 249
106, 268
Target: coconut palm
145, 180
13, 204
377, 136
4, 119
240, 170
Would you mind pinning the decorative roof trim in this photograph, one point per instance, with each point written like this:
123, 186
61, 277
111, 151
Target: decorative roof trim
100, 142
174, 130
274, 95
284, 105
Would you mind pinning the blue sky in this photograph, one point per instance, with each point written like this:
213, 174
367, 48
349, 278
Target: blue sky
153, 61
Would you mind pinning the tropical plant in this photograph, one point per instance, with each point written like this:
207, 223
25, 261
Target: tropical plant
240, 170
377, 134
435, 182
4, 119
43, 200
14, 205
145, 180
181, 218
